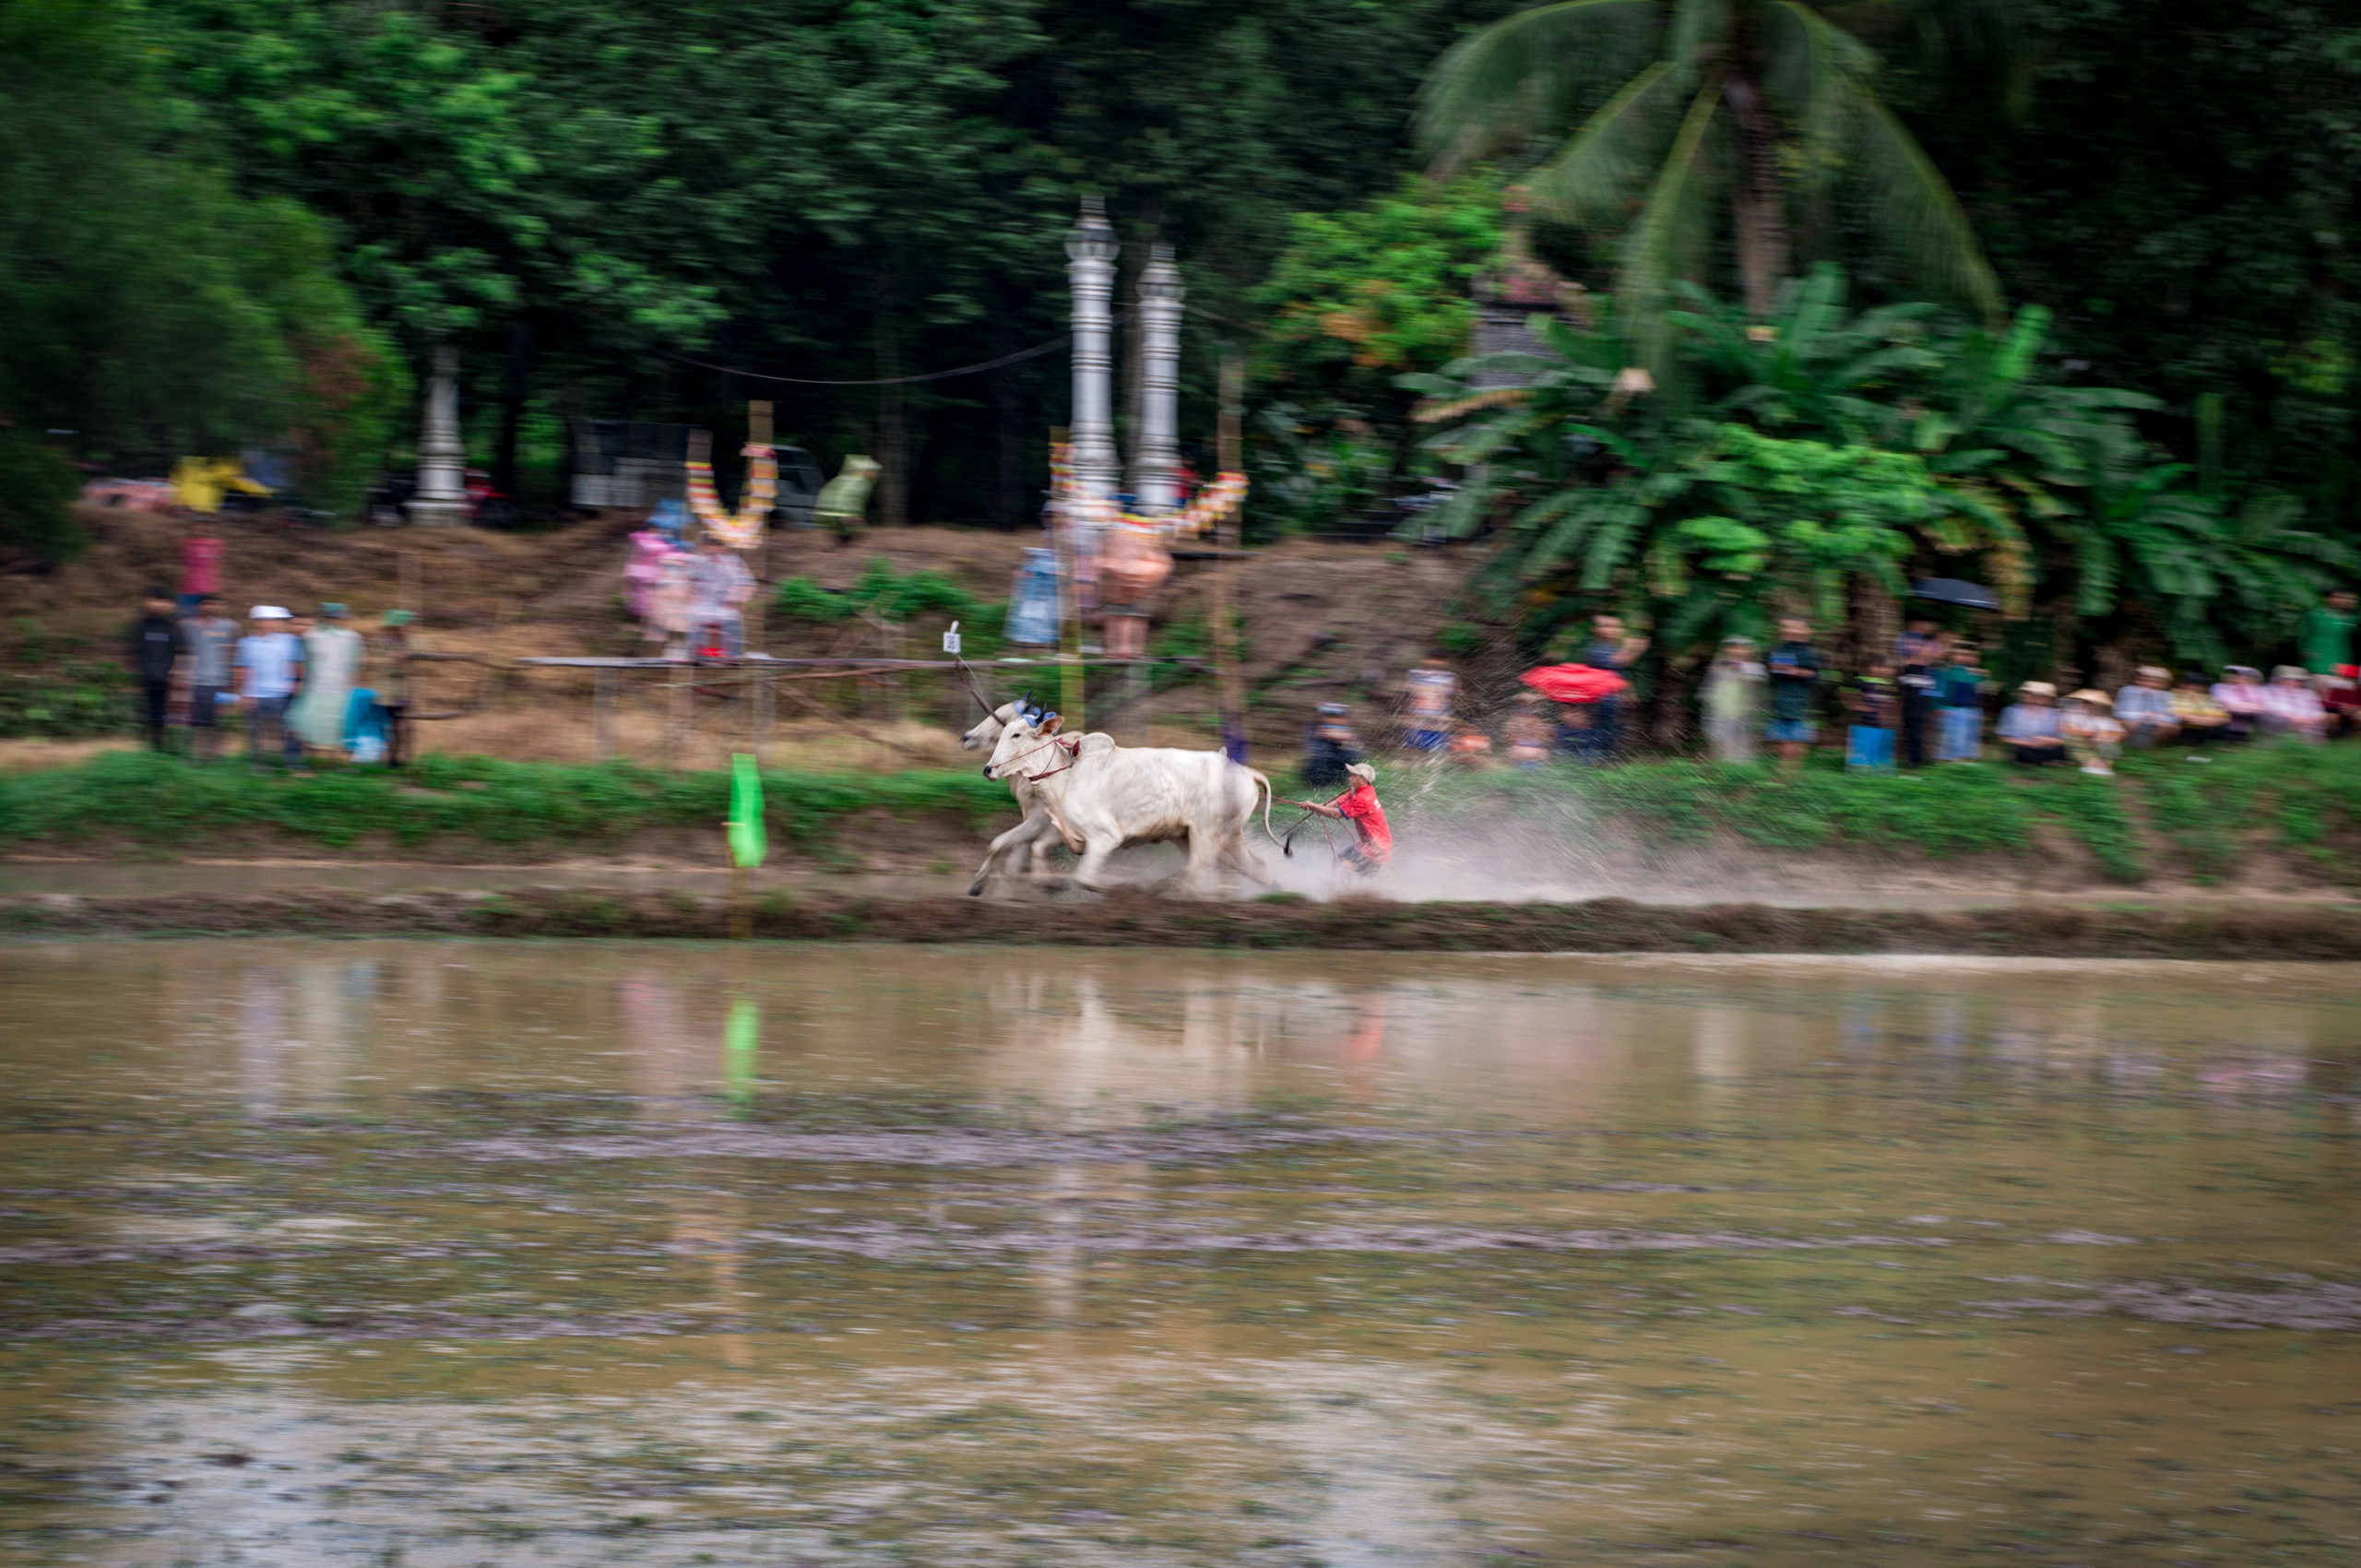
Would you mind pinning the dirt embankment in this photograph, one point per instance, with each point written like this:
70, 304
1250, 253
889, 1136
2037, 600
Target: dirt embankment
1607, 925
1323, 621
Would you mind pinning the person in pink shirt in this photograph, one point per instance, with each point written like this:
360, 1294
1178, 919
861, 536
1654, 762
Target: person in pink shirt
200, 569
2240, 695
2290, 706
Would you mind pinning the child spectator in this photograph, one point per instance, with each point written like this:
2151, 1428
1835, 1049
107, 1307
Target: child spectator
2144, 708
1876, 701
2028, 727
1470, 747
1959, 705
1330, 746
1527, 732
1794, 672
2089, 728
1732, 700
1428, 693
2201, 719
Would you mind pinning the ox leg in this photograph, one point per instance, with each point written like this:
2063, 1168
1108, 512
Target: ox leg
1023, 833
1091, 873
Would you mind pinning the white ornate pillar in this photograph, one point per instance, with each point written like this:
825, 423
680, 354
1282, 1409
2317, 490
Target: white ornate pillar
1092, 247
441, 498
1156, 481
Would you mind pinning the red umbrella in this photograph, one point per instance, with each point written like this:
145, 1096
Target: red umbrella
1575, 683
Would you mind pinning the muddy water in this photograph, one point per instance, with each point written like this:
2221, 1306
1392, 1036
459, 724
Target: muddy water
460, 1253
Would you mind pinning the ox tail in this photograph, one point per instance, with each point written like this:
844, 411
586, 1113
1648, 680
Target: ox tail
1270, 797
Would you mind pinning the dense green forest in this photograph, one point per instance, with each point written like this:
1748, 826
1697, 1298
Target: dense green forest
237, 217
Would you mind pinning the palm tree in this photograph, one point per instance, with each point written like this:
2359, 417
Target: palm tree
1767, 103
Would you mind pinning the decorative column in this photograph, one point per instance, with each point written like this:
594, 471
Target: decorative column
441, 498
1093, 248
1155, 479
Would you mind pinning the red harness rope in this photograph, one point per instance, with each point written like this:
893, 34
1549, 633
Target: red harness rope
1071, 748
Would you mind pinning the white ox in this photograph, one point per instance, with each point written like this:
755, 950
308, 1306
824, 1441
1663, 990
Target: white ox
1037, 832
1100, 796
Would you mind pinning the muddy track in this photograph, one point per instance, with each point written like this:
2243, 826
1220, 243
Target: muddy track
1605, 926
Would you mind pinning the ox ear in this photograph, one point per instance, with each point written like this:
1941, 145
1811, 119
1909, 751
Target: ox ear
1052, 724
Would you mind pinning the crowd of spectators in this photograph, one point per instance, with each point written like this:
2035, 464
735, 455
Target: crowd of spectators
1927, 700
290, 680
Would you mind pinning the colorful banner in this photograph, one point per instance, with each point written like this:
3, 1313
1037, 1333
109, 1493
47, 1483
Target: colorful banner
745, 531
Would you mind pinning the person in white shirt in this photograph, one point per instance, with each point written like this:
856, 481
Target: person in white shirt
2144, 708
270, 672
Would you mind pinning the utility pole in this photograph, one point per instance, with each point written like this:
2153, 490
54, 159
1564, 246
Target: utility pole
1227, 537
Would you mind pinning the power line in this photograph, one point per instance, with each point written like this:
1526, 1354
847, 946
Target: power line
1035, 352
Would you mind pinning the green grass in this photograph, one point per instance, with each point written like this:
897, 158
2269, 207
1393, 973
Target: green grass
2197, 816
169, 803
2162, 813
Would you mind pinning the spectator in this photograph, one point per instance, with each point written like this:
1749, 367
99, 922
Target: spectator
2092, 736
1917, 655
720, 586
1330, 746
2290, 706
2341, 700
1428, 693
2326, 632
1794, 672
1875, 702
1611, 648
2241, 697
396, 644
209, 641
1959, 705
2029, 726
1527, 732
2201, 719
152, 646
200, 568
1470, 747
333, 655
271, 660
2144, 708
1732, 700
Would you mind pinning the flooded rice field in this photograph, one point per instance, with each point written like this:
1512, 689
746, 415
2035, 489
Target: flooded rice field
462, 1252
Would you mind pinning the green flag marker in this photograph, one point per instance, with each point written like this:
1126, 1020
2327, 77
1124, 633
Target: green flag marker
742, 1045
746, 843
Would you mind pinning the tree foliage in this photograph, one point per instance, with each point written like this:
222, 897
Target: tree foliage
1793, 460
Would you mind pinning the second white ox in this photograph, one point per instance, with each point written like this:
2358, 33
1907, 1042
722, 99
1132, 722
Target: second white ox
1100, 796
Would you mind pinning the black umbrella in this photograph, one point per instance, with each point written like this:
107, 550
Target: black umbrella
1952, 590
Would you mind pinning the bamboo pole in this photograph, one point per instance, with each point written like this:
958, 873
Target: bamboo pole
1070, 692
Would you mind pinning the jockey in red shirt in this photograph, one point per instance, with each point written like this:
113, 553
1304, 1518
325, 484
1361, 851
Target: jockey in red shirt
1374, 841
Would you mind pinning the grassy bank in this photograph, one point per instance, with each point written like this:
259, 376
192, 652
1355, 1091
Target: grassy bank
2162, 816
1605, 925
467, 803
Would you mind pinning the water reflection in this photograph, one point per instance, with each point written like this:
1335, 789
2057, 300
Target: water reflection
662, 1255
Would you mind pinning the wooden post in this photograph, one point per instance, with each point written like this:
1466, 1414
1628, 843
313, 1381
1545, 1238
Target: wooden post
604, 720
1227, 696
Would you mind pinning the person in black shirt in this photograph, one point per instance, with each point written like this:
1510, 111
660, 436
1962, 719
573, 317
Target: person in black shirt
1794, 668
153, 646
1330, 746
